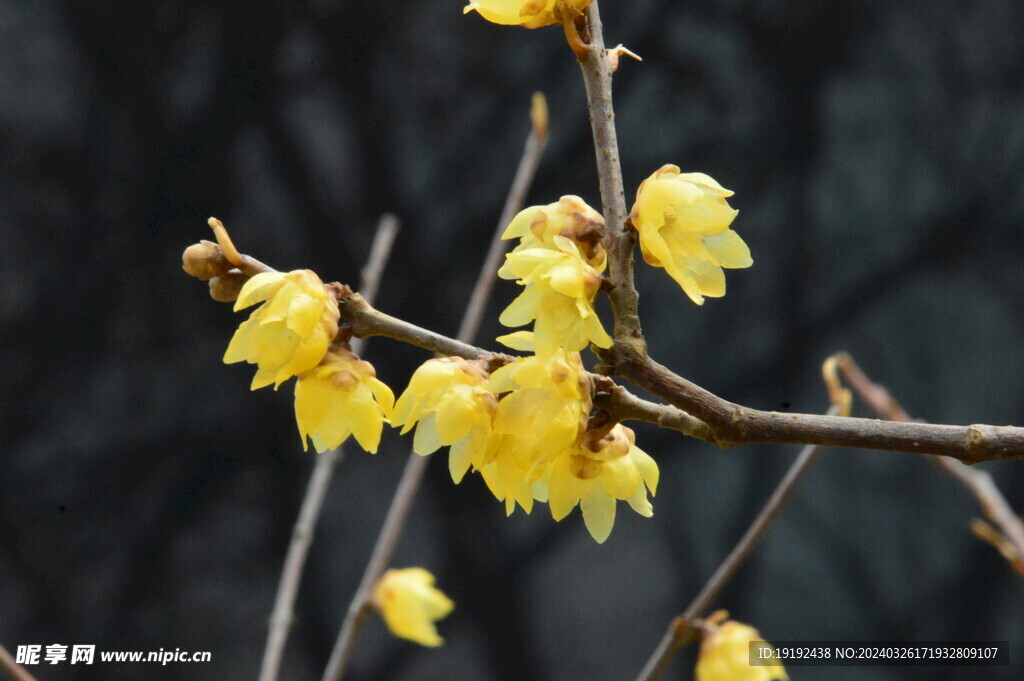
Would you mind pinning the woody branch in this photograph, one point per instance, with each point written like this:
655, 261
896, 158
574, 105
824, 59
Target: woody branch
729, 423
700, 413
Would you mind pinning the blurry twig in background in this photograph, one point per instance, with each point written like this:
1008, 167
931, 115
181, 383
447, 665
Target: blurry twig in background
12, 669
684, 628
1008, 534
394, 523
302, 535
532, 153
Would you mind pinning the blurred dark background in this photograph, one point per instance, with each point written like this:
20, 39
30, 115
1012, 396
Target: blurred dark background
146, 496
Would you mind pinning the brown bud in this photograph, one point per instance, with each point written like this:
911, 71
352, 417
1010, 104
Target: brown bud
204, 261
226, 287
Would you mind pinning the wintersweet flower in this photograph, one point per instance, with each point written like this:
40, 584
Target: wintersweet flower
725, 656
449, 404
547, 403
341, 397
559, 295
570, 217
526, 13
543, 410
596, 475
683, 221
290, 332
410, 604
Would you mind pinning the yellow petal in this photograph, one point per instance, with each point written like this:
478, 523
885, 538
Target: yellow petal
426, 441
729, 249
259, 288
518, 340
598, 514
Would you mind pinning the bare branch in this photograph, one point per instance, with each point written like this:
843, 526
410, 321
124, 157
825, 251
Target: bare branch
527, 170
283, 614
734, 424
623, 405
365, 320
380, 253
1010, 537
683, 630
619, 241
728, 424
12, 669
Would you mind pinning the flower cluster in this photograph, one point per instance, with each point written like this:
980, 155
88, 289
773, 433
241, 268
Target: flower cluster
524, 430
524, 427
290, 334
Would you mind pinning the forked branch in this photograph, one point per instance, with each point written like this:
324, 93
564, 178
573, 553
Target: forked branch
1008, 535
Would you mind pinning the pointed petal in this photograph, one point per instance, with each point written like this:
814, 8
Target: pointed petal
598, 514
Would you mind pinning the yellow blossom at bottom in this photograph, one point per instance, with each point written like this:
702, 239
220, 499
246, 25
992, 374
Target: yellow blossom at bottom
725, 656
340, 397
596, 475
409, 604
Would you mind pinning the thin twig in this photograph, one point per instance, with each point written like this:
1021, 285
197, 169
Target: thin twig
681, 630
734, 424
416, 465
622, 405
283, 614
978, 482
12, 669
380, 252
619, 241
532, 153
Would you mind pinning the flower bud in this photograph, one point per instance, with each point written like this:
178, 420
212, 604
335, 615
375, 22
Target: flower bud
204, 261
226, 287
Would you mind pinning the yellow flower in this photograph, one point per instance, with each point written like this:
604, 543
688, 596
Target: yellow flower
571, 217
342, 397
448, 399
725, 656
559, 295
290, 332
409, 604
598, 473
526, 13
545, 411
683, 220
